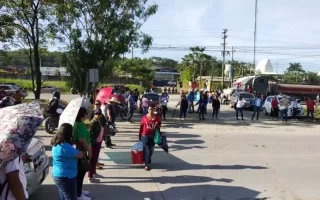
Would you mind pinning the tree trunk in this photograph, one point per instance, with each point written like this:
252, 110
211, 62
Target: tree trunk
37, 71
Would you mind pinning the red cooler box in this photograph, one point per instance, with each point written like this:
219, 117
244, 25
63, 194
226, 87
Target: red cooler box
137, 157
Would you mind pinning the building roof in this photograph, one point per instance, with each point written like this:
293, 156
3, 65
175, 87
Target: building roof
264, 66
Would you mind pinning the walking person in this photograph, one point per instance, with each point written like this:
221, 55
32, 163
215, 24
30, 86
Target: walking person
275, 108
183, 106
131, 106
215, 107
202, 106
190, 102
164, 104
145, 104
97, 125
310, 109
65, 158
148, 126
81, 137
239, 107
284, 104
257, 107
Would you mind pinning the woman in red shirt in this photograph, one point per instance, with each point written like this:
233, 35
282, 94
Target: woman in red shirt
274, 108
149, 124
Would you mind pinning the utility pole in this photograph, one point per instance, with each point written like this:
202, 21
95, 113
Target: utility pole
277, 71
132, 52
255, 35
233, 50
224, 37
231, 69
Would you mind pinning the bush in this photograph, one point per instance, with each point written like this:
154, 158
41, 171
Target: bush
28, 84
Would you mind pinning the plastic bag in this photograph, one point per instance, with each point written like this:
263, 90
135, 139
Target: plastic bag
157, 137
138, 146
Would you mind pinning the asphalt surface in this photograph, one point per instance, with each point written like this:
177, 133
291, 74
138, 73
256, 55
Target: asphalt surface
221, 159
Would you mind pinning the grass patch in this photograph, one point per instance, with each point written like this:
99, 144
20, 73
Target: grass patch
28, 84
316, 112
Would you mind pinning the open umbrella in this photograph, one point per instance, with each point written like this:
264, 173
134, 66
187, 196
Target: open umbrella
18, 126
70, 113
105, 94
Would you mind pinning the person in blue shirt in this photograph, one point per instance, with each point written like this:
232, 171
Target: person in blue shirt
202, 106
190, 100
65, 163
257, 107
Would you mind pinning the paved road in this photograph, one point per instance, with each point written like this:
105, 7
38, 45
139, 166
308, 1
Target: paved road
211, 160
47, 96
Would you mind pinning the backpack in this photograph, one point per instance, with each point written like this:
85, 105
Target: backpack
4, 184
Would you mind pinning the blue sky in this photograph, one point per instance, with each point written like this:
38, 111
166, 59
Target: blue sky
287, 29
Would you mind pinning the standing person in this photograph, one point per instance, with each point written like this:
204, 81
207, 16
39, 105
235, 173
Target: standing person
202, 106
183, 106
294, 109
169, 89
275, 108
206, 98
165, 89
284, 104
136, 96
145, 104
215, 106
239, 108
97, 125
13, 181
164, 103
97, 105
110, 117
190, 100
257, 107
149, 124
18, 97
131, 106
124, 95
81, 137
65, 158
310, 108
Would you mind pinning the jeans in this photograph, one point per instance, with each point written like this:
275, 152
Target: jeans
202, 109
237, 112
147, 150
130, 113
215, 112
191, 107
294, 113
310, 112
284, 114
183, 112
94, 149
257, 110
67, 187
145, 110
164, 110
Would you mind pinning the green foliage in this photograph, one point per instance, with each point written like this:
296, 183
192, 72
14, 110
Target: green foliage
28, 84
98, 35
138, 68
164, 62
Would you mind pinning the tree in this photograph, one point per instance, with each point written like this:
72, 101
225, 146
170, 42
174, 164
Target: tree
98, 32
292, 75
24, 24
138, 68
164, 62
295, 68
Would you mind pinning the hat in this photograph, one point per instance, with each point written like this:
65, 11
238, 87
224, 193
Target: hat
114, 100
97, 111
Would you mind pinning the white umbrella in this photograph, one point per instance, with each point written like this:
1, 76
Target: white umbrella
70, 113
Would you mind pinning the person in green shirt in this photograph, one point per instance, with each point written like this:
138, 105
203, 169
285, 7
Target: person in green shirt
81, 137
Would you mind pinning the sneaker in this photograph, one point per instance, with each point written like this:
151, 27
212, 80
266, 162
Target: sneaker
146, 168
101, 164
113, 145
83, 198
109, 147
84, 192
99, 167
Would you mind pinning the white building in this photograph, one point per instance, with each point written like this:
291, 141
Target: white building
52, 71
265, 67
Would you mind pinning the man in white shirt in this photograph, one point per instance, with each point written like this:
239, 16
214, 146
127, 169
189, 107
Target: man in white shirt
13, 181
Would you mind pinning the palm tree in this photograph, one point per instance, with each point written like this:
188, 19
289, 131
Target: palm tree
296, 69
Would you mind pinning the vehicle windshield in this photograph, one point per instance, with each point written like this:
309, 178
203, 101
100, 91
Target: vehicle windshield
246, 95
152, 97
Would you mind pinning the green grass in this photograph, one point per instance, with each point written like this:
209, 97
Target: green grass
316, 112
28, 84
60, 84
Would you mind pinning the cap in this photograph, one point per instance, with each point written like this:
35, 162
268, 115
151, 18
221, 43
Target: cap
97, 112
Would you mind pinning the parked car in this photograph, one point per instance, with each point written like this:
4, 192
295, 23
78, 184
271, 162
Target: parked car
152, 98
12, 89
248, 98
37, 168
267, 106
49, 89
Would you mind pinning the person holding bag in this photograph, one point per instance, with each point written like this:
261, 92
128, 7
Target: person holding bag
148, 126
81, 138
65, 158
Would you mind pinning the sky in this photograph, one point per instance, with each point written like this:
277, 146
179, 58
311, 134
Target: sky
287, 30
